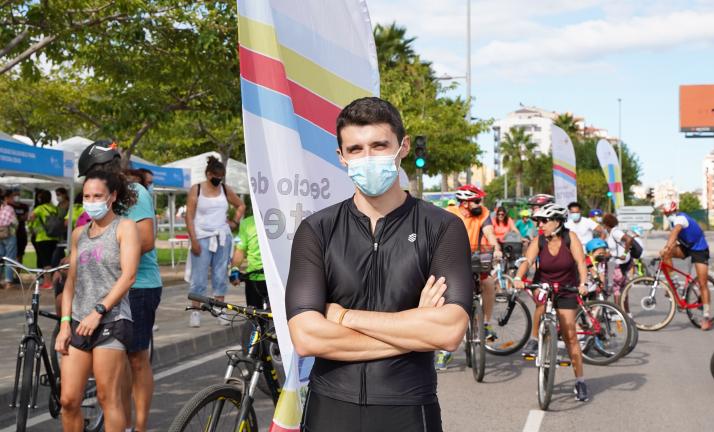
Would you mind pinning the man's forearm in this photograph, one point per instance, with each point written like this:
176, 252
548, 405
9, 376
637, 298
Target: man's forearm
421, 329
313, 335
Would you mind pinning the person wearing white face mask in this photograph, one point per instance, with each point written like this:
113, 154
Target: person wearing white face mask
367, 292
586, 229
96, 328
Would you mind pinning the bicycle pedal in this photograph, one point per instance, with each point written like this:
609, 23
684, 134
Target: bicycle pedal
564, 363
529, 357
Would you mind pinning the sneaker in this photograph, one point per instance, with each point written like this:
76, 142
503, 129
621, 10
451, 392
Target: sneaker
490, 333
531, 348
443, 358
224, 320
195, 320
706, 324
581, 392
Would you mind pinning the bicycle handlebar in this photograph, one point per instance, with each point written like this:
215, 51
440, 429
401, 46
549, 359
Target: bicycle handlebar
548, 287
248, 311
11, 262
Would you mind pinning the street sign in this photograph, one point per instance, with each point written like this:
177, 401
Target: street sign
634, 218
635, 209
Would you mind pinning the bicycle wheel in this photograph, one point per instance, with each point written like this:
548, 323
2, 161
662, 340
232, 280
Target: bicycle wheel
711, 365
547, 362
512, 324
467, 346
91, 410
28, 368
606, 330
634, 335
693, 296
650, 303
213, 409
54, 405
478, 348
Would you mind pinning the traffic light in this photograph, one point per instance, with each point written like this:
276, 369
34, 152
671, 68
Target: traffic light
420, 151
609, 194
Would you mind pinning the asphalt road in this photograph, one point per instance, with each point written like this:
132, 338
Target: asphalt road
664, 385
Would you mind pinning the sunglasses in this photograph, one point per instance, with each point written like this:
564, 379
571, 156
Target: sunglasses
501, 215
540, 221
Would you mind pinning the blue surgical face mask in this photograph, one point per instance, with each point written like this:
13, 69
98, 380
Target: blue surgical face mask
374, 175
150, 188
96, 210
575, 217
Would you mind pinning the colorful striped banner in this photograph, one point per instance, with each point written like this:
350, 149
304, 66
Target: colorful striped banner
565, 183
611, 169
301, 63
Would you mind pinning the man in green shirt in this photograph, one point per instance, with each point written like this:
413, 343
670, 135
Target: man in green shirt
256, 291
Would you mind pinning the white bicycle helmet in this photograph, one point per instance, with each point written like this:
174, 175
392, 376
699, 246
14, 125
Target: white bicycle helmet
552, 211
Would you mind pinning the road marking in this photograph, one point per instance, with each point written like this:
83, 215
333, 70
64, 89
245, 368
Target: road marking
533, 421
32, 421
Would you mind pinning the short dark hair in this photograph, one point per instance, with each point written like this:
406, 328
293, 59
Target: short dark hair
574, 204
146, 171
610, 220
369, 111
43, 197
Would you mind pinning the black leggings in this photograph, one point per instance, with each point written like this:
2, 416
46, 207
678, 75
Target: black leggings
44, 250
323, 414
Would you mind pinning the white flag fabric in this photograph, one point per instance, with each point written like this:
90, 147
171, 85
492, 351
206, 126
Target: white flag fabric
301, 62
564, 172
613, 172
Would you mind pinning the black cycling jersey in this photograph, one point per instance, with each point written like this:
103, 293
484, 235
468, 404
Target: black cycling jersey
337, 259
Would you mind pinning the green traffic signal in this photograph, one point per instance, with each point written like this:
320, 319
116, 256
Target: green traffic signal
609, 194
420, 162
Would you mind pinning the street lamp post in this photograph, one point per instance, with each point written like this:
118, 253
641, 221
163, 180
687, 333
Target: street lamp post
468, 74
619, 131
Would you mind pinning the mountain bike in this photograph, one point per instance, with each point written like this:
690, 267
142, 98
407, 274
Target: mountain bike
228, 406
33, 353
652, 301
511, 319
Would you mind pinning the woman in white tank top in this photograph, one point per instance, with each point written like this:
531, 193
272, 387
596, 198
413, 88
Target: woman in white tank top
210, 233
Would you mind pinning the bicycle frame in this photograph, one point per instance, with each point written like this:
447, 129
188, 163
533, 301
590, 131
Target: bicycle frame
667, 269
35, 333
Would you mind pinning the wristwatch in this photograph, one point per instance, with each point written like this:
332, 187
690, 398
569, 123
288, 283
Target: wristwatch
101, 309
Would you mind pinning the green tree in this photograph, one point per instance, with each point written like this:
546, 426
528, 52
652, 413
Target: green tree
409, 83
689, 202
592, 188
54, 28
569, 125
33, 107
517, 148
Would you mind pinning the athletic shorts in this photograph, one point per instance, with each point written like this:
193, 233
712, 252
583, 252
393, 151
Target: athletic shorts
324, 414
698, 256
112, 335
566, 301
144, 302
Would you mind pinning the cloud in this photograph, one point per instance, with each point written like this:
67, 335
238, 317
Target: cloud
521, 39
592, 39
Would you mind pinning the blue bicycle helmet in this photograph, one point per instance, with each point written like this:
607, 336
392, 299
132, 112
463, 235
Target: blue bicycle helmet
594, 244
595, 212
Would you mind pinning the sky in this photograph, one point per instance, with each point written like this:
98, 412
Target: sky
580, 57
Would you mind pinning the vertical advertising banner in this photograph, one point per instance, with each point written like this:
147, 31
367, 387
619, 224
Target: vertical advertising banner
564, 179
613, 172
301, 62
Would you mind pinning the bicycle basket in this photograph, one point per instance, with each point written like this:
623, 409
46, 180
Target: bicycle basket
481, 262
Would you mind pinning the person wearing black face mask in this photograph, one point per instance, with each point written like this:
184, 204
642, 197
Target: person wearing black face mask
481, 236
210, 233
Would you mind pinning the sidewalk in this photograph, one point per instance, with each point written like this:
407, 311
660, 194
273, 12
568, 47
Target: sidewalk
173, 341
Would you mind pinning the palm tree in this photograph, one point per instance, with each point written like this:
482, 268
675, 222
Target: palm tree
392, 45
517, 148
569, 125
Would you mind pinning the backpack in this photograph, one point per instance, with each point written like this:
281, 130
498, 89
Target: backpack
637, 248
54, 225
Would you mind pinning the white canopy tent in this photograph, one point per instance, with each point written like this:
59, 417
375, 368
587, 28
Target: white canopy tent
236, 172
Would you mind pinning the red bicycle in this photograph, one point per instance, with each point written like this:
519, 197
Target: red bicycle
652, 301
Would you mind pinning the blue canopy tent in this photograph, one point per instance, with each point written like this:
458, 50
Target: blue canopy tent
22, 164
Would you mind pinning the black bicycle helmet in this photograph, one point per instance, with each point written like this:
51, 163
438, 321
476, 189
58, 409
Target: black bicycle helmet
96, 153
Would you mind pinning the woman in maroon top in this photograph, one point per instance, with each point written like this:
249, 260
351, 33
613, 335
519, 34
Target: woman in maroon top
562, 261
